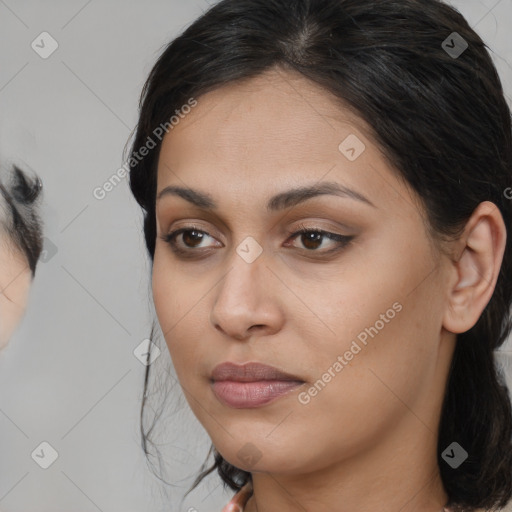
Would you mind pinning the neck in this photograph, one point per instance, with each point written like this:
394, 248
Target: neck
400, 474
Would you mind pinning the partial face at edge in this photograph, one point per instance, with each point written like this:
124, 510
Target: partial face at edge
15, 280
303, 301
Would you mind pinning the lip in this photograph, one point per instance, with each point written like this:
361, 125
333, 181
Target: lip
250, 372
251, 385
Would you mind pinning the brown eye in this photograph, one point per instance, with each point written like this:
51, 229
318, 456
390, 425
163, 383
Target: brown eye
192, 237
312, 239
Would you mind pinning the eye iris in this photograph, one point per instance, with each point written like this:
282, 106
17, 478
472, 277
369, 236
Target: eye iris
189, 235
311, 237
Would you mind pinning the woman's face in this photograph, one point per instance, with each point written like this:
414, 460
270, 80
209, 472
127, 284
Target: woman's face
15, 279
358, 321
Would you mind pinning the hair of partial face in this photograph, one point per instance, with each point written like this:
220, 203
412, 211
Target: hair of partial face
19, 215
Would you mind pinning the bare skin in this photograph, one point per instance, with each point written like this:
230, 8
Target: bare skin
15, 280
368, 439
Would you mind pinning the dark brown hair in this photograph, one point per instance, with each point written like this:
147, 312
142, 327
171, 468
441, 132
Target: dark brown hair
19, 196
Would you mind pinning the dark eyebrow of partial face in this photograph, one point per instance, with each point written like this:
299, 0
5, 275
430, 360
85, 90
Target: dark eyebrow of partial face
278, 202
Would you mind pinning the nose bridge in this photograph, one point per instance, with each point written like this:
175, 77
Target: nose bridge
242, 298
246, 274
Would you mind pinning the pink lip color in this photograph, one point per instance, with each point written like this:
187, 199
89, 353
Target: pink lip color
241, 395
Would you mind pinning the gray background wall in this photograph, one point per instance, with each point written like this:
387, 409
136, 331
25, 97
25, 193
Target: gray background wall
69, 376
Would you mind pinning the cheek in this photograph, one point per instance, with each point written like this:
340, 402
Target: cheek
177, 304
160, 284
387, 361
13, 301
384, 327
367, 395
169, 292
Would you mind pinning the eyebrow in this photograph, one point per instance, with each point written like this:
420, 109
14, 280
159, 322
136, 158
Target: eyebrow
281, 201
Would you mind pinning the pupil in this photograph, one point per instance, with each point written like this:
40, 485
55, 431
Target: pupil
312, 238
188, 237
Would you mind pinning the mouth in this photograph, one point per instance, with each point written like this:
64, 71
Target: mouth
251, 385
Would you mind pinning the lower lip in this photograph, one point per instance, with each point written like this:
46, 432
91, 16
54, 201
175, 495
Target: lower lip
243, 395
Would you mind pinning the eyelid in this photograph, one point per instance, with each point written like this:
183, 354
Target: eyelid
316, 224
316, 218
193, 226
312, 222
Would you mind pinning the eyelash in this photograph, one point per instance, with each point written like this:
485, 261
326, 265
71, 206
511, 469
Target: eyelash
343, 240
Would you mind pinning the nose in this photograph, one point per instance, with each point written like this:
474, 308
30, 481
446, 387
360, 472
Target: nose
247, 300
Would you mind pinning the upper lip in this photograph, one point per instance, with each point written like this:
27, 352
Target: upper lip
250, 372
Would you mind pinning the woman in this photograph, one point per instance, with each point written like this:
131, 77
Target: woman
20, 246
325, 214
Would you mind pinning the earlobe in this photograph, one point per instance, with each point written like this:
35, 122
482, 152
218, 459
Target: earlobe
477, 268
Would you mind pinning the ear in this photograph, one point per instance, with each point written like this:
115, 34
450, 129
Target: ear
476, 269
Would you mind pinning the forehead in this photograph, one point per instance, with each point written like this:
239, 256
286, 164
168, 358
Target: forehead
279, 112
269, 133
